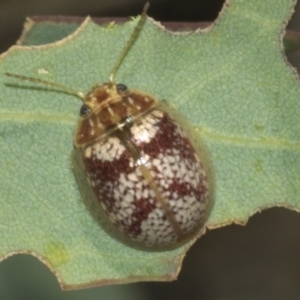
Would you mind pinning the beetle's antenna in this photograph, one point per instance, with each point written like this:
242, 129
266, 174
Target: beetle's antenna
130, 42
48, 83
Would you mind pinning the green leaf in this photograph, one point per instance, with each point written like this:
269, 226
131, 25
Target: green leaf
44, 30
231, 81
40, 33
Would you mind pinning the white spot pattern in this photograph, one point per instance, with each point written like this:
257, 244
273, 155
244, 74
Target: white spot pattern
146, 128
131, 204
110, 150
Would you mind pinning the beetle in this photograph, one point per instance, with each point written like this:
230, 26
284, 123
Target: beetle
144, 169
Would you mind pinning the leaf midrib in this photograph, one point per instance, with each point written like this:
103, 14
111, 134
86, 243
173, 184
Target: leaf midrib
19, 116
262, 142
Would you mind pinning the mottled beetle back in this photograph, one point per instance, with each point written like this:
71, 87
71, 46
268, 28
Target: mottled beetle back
147, 173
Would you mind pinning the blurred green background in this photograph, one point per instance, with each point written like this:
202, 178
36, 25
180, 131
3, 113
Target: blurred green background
257, 261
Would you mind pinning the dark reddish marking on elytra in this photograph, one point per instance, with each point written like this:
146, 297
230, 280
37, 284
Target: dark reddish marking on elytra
166, 138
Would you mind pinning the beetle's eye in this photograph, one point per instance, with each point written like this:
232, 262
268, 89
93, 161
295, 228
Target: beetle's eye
84, 110
121, 87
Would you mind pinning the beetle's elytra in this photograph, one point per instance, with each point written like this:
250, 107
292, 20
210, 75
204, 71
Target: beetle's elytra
142, 164
145, 172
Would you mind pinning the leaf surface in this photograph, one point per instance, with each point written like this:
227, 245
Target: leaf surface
231, 81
